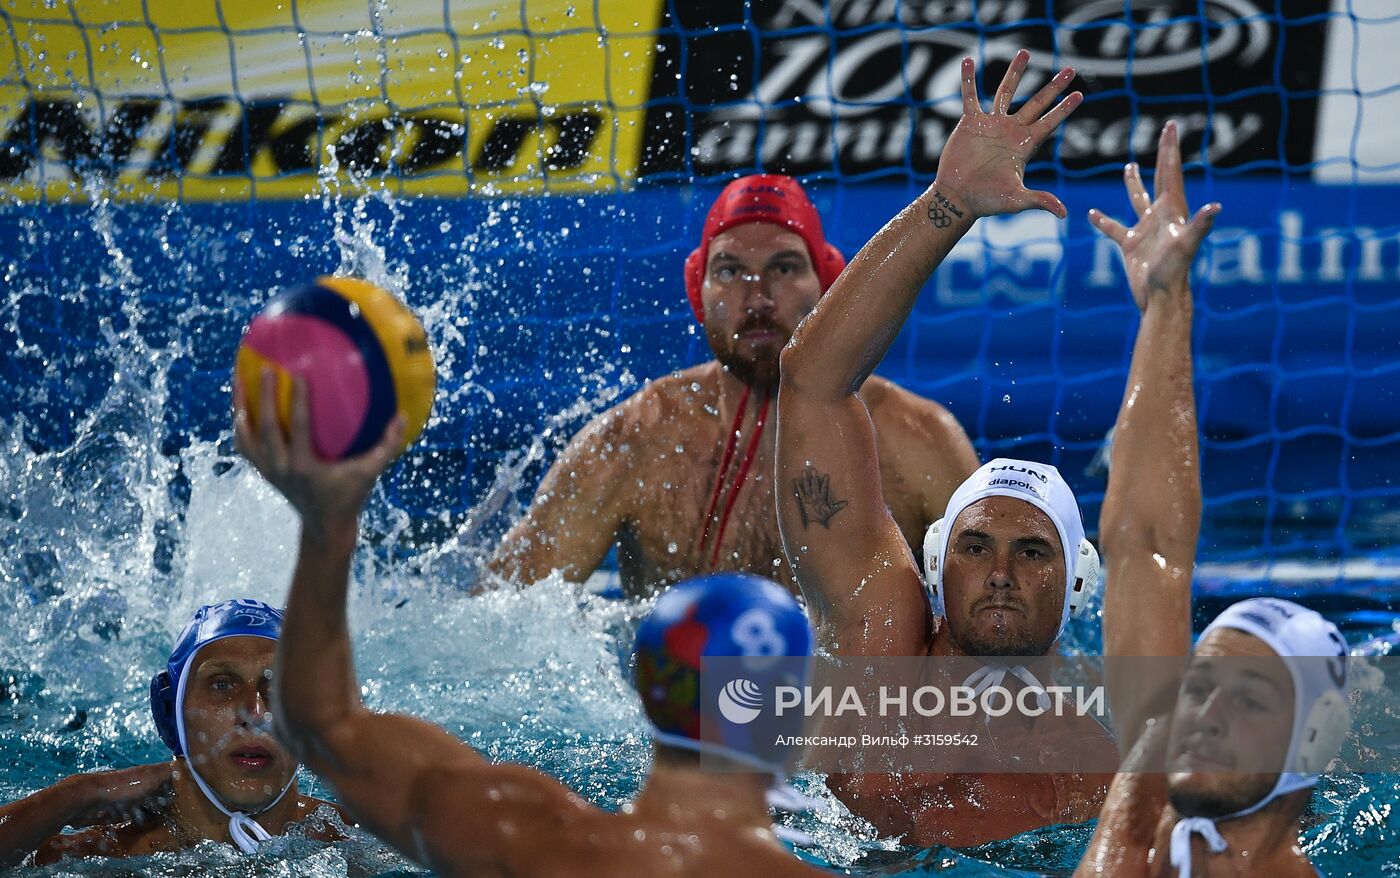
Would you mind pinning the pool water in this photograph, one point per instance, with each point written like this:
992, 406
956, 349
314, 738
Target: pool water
76, 662
114, 532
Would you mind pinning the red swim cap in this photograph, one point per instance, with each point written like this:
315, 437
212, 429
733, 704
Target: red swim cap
762, 198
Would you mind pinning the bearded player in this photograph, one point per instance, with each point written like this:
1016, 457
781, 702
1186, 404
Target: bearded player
680, 475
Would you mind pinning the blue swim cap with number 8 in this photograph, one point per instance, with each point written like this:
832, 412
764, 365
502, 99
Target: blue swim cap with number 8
709, 659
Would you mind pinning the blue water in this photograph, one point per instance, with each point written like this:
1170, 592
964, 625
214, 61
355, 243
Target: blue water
77, 664
122, 507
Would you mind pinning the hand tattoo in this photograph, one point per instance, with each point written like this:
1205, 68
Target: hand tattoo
813, 491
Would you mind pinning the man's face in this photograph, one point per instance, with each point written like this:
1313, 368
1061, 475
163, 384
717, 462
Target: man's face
759, 284
1234, 715
1003, 579
228, 724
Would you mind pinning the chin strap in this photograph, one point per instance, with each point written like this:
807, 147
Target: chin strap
246, 832
1181, 841
988, 676
1210, 829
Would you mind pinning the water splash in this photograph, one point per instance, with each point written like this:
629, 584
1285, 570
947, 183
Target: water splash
108, 543
461, 557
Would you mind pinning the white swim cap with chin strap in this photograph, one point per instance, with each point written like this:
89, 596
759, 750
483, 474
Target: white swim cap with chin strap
1316, 656
1040, 485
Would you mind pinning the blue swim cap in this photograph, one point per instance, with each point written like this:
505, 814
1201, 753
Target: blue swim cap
728, 709
243, 617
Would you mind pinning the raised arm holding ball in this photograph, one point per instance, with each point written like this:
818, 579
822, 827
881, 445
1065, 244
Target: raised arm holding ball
366, 358
362, 353
440, 802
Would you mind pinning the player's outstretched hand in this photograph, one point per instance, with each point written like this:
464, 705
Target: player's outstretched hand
1159, 250
983, 165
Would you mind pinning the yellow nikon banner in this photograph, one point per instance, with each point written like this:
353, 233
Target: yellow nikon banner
203, 99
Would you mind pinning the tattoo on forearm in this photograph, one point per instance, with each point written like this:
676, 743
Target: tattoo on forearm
814, 501
942, 211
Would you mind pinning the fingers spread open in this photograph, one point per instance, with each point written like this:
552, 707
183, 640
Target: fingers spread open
1202, 223
1137, 193
969, 88
1051, 120
1039, 102
1010, 82
1169, 183
1109, 226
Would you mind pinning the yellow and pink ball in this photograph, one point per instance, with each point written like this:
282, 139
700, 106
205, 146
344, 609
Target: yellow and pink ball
362, 352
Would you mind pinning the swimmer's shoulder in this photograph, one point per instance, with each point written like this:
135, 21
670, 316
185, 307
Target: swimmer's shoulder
684, 392
918, 435
893, 407
475, 817
512, 818
753, 852
629, 426
478, 816
698, 846
112, 840
669, 406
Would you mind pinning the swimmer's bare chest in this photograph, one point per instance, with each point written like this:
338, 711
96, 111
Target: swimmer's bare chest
664, 539
962, 810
